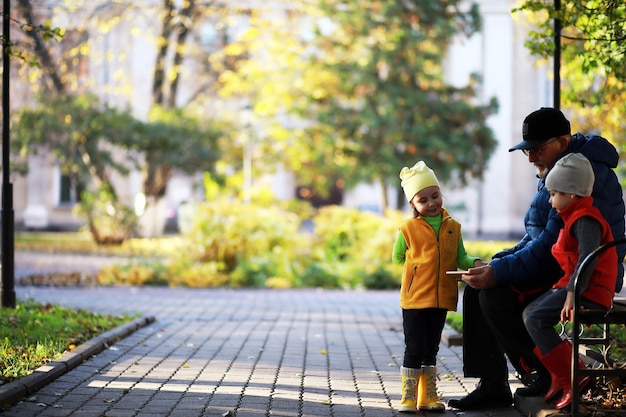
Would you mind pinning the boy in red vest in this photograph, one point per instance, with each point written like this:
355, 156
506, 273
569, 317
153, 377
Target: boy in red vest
428, 245
569, 183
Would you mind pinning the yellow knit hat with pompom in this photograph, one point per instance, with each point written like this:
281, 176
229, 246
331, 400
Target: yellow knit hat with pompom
416, 178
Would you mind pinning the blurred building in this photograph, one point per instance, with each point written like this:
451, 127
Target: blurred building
119, 57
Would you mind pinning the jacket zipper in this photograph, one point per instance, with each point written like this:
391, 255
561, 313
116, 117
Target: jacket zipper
443, 221
412, 278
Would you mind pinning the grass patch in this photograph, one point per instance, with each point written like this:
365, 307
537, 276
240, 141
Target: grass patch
455, 320
34, 334
83, 243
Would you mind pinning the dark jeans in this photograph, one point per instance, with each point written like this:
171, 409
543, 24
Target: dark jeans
492, 327
422, 334
544, 313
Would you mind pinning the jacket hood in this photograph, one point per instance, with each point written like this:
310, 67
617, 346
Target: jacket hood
595, 148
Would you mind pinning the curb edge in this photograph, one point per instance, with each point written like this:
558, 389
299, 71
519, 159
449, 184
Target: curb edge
14, 391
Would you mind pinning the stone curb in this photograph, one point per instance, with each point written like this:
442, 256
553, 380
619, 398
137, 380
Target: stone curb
14, 391
451, 337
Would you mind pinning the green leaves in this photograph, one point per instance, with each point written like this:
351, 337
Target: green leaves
593, 59
36, 333
389, 105
363, 93
92, 142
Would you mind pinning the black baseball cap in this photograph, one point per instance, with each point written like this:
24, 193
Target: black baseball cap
541, 125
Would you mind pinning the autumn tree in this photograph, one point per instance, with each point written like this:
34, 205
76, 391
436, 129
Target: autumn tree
82, 133
85, 138
366, 83
178, 135
593, 59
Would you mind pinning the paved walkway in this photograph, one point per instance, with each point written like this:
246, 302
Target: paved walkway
218, 352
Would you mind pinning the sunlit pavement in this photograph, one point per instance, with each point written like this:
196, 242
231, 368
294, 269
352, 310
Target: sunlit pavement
220, 352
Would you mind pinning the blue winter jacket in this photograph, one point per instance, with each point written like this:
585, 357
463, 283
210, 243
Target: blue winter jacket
529, 265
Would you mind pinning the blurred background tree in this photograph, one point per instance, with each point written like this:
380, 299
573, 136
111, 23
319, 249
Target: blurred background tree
341, 93
170, 138
365, 80
593, 60
83, 136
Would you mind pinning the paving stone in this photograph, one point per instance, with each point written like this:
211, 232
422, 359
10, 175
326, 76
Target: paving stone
300, 353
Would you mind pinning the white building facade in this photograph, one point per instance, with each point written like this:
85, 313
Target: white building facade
492, 207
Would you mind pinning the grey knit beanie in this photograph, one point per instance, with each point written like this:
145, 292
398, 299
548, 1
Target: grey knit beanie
571, 174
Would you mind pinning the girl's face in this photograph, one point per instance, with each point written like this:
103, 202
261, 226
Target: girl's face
428, 201
560, 200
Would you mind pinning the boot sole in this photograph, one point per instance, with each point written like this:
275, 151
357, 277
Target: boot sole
440, 408
482, 405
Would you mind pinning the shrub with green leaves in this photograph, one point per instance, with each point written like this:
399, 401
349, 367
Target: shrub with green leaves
109, 220
485, 249
229, 243
358, 243
251, 242
133, 274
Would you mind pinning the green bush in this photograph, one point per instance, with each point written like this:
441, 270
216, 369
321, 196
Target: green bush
382, 278
133, 274
455, 320
185, 273
321, 275
485, 249
252, 273
346, 234
228, 243
109, 220
252, 243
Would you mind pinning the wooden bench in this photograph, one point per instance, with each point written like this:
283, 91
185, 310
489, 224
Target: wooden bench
601, 318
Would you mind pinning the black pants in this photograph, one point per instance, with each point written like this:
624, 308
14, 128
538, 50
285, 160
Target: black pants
422, 334
492, 327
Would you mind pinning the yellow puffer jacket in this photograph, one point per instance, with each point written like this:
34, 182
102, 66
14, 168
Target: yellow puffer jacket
428, 257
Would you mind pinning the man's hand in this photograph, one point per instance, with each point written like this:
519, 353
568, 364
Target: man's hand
480, 277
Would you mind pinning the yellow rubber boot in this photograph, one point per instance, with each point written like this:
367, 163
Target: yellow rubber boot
410, 381
427, 391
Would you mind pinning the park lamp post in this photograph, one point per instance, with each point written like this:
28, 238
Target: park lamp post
8, 224
557, 57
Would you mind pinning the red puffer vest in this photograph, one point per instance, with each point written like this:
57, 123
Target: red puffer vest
601, 285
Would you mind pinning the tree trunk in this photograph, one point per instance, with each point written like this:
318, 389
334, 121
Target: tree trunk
401, 199
384, 201
156, 179
186, 19
49, 66
159, 67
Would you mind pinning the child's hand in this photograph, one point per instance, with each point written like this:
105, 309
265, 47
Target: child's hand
479, 262
567, 313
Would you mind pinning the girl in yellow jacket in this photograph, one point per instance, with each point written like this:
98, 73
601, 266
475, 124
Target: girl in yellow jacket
428, 244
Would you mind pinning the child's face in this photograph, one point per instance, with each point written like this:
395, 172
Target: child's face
428, 201
560, 200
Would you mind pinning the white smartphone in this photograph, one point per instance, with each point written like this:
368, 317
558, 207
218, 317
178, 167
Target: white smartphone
456, 274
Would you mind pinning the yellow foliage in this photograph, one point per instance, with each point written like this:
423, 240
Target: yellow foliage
278, 283
200, 275
235, 49
135, 275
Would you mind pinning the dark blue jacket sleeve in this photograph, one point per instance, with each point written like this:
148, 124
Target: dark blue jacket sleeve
532, 265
